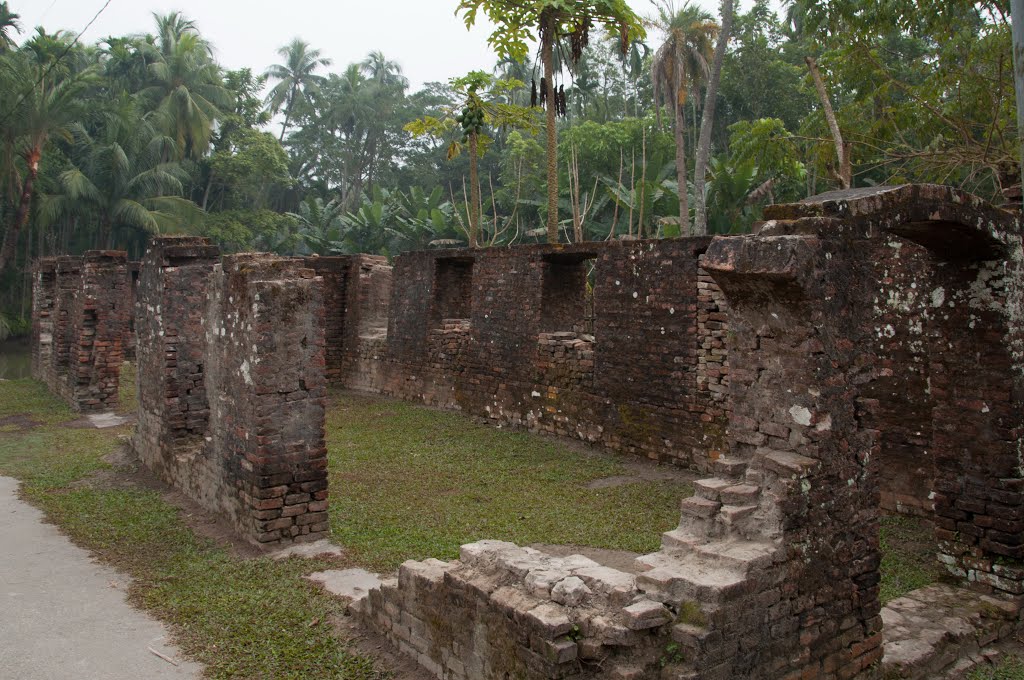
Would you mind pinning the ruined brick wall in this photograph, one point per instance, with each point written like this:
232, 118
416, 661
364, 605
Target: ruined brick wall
44, 283
956, 323
133, 287
594, 341
80, 317
232, 382
266, 364
174, 408
773, 571
335, 272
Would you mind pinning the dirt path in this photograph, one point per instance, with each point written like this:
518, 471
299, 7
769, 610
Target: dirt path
62, 616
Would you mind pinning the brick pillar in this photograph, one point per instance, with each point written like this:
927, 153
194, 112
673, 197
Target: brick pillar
44, 282
173, 414
335, 272
796, 440
265, 335
67, 288
976, 379
100, 315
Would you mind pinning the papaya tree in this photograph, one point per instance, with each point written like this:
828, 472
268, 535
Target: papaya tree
519, 22
481, 103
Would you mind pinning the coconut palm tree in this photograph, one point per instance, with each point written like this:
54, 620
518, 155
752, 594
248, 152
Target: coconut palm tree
187, 92
51, 102
170, 28
119, 180
296, 79
384, 72
8, 24
679, 67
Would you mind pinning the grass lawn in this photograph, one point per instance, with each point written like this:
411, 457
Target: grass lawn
242, 618
409, 482
908, 556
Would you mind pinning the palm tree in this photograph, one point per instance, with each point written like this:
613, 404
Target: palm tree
170, 28
384, 72
707, 120
119, 179
8, 23
50, 104
297, 79
680, 66
187, 91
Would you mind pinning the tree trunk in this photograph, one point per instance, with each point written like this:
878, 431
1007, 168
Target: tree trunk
546, 55
474, 190
21, 215
707, 122
684, 201
845, 174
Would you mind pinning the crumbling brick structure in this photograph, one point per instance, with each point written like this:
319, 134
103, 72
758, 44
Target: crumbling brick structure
774, 569
232, 385
618, 343
79, 316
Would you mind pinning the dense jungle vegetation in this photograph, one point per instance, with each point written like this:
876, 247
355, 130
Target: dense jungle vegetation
663, 128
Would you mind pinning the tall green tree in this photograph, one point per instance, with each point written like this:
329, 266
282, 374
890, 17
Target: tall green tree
45, 105
707, 119
548, 22
680, 66
8, 24
120, 182
297, 79
186, 89
481, 98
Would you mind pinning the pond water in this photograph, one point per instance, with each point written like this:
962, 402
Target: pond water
14, 359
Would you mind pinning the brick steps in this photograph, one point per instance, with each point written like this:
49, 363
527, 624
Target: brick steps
739, 554
675, 579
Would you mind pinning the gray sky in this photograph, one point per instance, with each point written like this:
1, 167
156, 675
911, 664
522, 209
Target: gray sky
424, 36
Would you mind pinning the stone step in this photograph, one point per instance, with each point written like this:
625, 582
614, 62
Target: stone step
737, 554
740, 494
731, 468
733, 515
675, 579
698, 507
711, 488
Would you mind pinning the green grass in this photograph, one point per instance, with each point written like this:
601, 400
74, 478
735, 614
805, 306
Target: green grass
127, 392
1009, 668
908, 556
408, 482
242, 618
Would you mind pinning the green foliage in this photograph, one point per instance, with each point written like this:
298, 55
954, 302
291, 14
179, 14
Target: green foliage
518, 24
253, 230
250, 163
1008, 668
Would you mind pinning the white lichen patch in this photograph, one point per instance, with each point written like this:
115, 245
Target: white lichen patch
801, 415
938, 296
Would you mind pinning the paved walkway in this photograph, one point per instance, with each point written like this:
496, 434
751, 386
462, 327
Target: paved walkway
60, 617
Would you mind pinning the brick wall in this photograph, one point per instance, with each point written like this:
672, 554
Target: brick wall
232, 382
597, 342
865, 327
80, 316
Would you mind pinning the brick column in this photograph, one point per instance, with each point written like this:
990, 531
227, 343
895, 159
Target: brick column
67, 288
265, 337
799, 448
44, 283
174, 283
100, 318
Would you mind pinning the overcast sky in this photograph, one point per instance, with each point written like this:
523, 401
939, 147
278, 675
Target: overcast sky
424, 36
